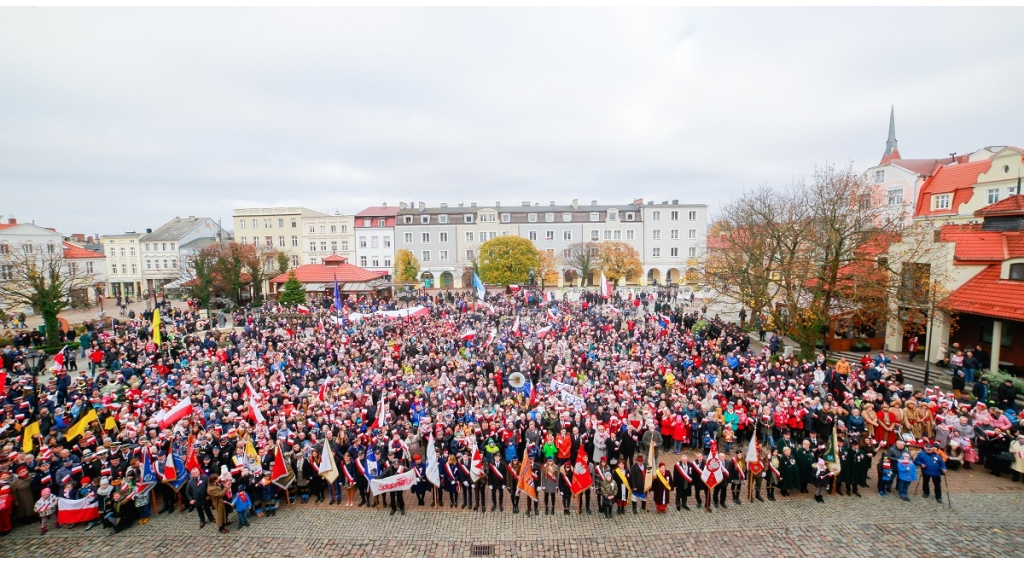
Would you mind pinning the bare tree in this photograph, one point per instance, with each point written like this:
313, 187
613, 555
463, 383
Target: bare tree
44, 280
583, 258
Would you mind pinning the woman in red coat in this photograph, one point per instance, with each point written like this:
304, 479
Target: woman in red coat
668, 428
6, 508
680, 434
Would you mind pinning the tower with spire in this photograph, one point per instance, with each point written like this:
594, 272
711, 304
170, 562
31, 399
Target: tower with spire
891, 152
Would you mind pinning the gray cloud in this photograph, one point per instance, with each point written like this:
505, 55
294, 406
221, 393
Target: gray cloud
117, 119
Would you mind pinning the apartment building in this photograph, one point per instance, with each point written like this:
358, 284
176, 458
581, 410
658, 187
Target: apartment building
327, 235
161, 249
277, 228
675, 241
124, 264
374, 230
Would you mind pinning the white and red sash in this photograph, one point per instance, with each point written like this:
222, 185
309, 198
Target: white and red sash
449, 472
348, 475
739, 469
497, 472
775, 470
683, 473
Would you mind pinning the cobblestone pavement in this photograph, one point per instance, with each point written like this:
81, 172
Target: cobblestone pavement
984, 523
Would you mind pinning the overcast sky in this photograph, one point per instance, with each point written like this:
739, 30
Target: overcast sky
120, 119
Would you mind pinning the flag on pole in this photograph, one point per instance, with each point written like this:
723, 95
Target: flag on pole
192, 457
712, 474
468, 335
371, 463
58, 362
378, 421
337, 295
181, 409
254, 412
79, 428
170, 470
149, 478
606, 289
830, 455
649, 478
304, 310
476, 466
754, 463
481, 291
28, 442
543, 332
281, 474
433, 470
581, 478
328, 468
526, 484
515, 326
156, 327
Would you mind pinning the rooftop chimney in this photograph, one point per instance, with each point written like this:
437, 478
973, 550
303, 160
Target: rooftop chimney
497, 204
402, 205
191, 218
12, 221
593, 202
472, 204
675, 202
149, 230
444, 204
385, 204
423, 205
552, 203
575, 204
526, 203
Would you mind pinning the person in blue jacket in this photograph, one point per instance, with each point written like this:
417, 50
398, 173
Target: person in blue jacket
907, 474
932, 468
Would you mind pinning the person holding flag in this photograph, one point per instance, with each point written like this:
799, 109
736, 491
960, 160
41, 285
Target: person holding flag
481, 291
582, 480
712, 475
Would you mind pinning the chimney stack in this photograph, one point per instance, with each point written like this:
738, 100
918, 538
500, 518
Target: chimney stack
472, 204
12, 221
552, 203
526, 203
593, 202
575, 204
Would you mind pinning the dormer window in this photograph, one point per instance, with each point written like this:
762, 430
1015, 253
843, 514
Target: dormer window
941, 202
1017, 271
424, 219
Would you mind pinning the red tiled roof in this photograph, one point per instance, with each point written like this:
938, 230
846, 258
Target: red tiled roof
379, 211
1014, 205
958, 180
975, 245
73, 252
310, 273
923, 167
986, 294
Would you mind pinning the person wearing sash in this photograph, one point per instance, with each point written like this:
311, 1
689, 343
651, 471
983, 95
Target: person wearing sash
466, 481
661, 488
512, 482
602, 474
496, 471
682, 482
638, 482
422, 485
549, 483
737, 475
565, 485
698, 484
621, 476
718, 494
348, 479
362, 477
450, 481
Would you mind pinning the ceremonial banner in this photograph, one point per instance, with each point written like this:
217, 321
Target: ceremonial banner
573, 400
397, 483
71, 511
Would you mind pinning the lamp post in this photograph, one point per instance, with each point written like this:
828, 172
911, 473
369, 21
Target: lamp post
928, 335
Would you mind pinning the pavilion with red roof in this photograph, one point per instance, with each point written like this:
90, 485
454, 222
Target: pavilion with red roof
318, 279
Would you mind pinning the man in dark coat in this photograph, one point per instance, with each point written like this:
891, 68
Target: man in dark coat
637, 482
195, 493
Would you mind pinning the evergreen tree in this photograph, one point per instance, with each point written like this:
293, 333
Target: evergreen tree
293, 292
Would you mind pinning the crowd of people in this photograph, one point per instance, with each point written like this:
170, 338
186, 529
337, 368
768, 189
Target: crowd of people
598, 405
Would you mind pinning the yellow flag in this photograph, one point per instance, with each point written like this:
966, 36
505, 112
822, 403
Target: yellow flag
250, 451
110, 424
156, 327
79, 428
28, 442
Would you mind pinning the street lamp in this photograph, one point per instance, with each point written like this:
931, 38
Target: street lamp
928, 334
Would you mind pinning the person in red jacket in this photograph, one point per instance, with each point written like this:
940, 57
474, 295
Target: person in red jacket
563, 447
680, 433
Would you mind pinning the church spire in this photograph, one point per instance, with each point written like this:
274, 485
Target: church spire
890, 143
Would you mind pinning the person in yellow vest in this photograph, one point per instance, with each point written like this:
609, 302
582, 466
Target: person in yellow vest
661, 487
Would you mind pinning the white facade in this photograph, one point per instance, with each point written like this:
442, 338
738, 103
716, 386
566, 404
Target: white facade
161, 253
279, 228
123, 264
675, 241
328, 235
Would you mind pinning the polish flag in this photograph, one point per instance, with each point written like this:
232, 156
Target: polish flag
551, 315
543, 332
58, 360
303, 309
468, 335
754, 463
250, 392
71, 511
606, 289
476, 467
254, 412
615, 310
170, 472
323, 389
182, 409
515, 326
490, 338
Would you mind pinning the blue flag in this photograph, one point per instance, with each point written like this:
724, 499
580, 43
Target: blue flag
149, 479
371, 463
181, 473
480, 290
337, 295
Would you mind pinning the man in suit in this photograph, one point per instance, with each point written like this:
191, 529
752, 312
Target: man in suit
195, 492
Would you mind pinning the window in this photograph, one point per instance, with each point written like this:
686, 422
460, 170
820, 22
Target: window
941, 202
312, 246
468, 218
366, 223
567, 235
483, 236
244, 241
133, 269
896, 197
607, 234
567, 217
613, 216
442, 255
424, 237
362, 242
147, 247
165, 264
131, 251
425, 255
323, 229
255, 224
344, 229
549, 217
295, 223
323, 246
595, 216
295, 258
617, 235
656, 234
241, 224
692, 216
993, 195
692, 252
594, 235
656, 216
280, 241
469, 254
280, 223
629, 216
407, 237
312, 229
387, 242
382, 223
113, 269
443, 218
630, 234
387, 262
334, 246
506, 233
424, 219
266, 223
506, 217
374, 242
362, 260
407, 219
532, 218
270, 241
549, 235
675, 216
442, 237
879, 176
88, 267
6, 272
344, 245
334, 228
1017, 271
6, 249
673, 234
295, 240
312, 260
656, 252
469, 236
691, 234
174, 264
375, 261
533, 235
673, 252
172, 246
